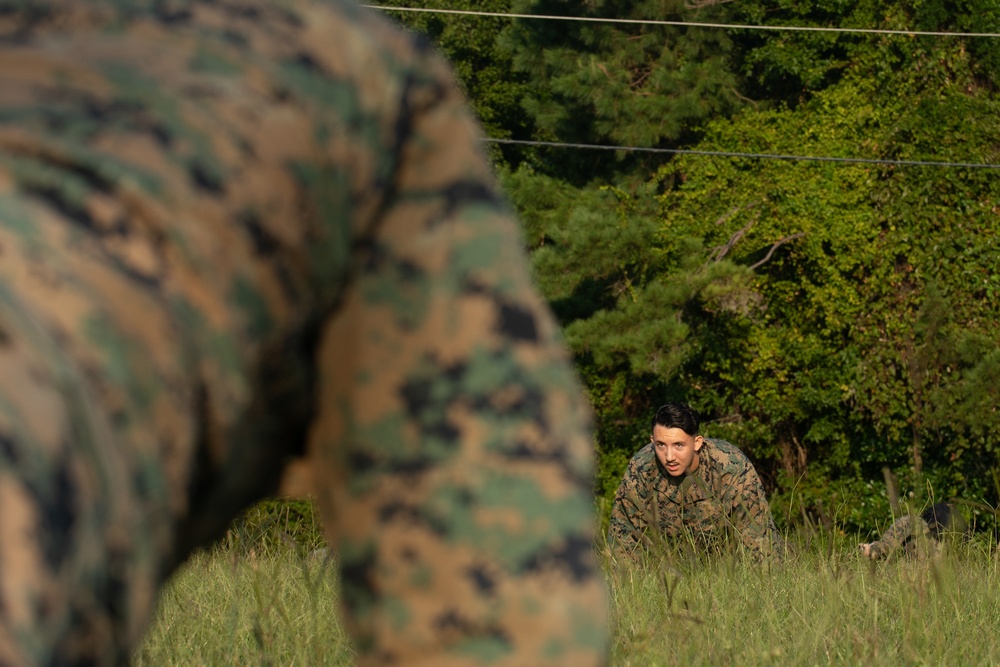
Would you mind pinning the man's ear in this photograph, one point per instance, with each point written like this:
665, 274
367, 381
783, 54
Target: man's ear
698, 442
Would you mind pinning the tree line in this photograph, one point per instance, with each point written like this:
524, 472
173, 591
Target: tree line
835, 319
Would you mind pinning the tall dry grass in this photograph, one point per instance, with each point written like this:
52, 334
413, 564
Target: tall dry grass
822, 605
271, 609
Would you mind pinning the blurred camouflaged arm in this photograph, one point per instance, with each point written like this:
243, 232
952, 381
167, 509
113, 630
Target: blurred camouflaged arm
233, 227
455, 429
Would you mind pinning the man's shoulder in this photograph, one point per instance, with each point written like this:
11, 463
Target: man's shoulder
354, 33
725, 456
645, 455
644, 460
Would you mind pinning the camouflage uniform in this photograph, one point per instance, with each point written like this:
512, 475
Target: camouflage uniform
235, 230
920, 536
722, 497
910, 533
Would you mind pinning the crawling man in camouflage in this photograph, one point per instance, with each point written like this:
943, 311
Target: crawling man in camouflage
684, 487
235, 231
919, 536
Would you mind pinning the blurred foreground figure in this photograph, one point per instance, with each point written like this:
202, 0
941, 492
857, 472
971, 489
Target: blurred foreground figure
920, 536
237, 231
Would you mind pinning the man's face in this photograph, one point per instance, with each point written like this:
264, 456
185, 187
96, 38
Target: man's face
676, 450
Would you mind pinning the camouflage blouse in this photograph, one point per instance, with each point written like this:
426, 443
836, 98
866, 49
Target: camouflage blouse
723, 498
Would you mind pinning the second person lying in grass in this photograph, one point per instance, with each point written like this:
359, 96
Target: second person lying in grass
919, 536
685, 489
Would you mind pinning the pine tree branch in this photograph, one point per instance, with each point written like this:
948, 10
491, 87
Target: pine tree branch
776, 245
724, 249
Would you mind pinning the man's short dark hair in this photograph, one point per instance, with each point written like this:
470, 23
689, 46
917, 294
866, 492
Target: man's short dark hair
677, 415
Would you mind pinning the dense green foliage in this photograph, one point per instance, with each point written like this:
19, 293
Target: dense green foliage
870, 341
629, 84
833, 319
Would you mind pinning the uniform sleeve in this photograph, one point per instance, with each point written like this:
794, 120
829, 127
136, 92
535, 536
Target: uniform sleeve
903, 531
751, 515
453, 441
628, 522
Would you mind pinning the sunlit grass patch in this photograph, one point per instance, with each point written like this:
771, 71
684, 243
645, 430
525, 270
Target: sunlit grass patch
223, 608
814, 608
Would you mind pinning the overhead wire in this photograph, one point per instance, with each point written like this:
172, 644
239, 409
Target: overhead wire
690, 24
732, 154
736, 154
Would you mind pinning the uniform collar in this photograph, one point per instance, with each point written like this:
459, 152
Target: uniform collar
690, 487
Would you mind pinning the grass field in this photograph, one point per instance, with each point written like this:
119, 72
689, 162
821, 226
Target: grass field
822, 606
829, 608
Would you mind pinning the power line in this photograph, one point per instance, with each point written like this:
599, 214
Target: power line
689, 24
761, 156
680, 151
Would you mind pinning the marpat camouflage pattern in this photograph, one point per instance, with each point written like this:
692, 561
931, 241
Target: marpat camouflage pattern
721, 500
909, 533
923, 536
236, 231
